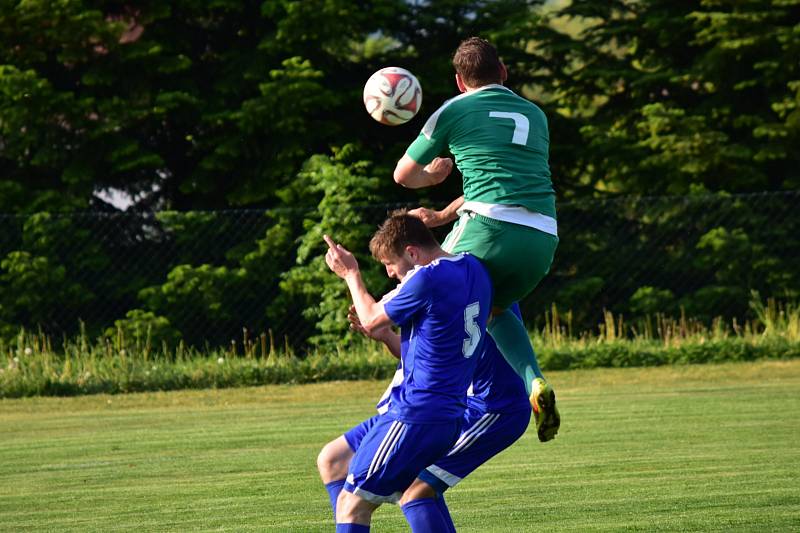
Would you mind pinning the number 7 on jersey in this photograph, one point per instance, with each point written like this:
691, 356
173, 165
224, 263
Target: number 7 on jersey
522, 125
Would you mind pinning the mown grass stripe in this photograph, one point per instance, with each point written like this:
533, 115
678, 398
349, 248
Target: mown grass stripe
694, 448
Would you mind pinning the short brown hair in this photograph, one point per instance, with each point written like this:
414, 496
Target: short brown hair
397, 232
477, 62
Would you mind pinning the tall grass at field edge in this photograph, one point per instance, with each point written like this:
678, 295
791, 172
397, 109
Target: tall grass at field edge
661, 340
42, 373
30, 366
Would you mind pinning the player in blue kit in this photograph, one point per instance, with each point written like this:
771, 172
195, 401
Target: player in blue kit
441, 306
497, 415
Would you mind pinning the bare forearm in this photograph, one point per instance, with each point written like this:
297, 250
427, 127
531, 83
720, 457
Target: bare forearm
417, 179
392, 342
412, 175
450, 213
369, 312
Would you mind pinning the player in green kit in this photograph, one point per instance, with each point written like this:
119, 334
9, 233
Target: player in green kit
507, 215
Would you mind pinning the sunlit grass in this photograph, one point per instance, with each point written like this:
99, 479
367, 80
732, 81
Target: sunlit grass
675, 448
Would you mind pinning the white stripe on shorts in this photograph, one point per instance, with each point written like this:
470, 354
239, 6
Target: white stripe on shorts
453, 238
392, 437
450, 479
469, 437
376, 498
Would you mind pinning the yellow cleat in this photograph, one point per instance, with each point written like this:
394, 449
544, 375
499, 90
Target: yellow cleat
545, 412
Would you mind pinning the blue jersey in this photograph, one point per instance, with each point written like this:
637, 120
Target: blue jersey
441, 309
496, 388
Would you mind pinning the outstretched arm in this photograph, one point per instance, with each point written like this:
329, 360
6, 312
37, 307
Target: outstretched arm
344, 265
433, 218
412, 175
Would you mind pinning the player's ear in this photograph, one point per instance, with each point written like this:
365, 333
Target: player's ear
503, 72
460, 83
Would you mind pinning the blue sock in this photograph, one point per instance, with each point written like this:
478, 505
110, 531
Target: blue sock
451, 527
334, 488
512, 340
351, 528
424, 516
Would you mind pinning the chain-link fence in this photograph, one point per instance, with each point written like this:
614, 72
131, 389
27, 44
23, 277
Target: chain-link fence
705, 256
209, 277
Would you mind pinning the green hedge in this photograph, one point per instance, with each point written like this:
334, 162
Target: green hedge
83, 369
632, 353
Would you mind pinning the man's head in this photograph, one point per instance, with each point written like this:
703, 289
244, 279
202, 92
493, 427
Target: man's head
403, 242
477, 64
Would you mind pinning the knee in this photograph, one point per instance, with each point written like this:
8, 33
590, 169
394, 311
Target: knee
352, 509
323, 458
333, 460
326, 462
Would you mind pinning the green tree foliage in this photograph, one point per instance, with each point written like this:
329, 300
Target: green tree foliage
654, 98
341, 187
200, 105
201, 297
207, 105
187, 105
33, 285
703, 255
56, 263
670, 95
224, 268
254, 284
144, 330
192, 107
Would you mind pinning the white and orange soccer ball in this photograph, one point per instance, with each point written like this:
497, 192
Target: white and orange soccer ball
392, 96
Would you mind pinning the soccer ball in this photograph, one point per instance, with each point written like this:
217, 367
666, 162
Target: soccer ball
392, 96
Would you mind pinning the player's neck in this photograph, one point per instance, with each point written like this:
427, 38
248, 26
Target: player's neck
469, 89
464, 88
433, 255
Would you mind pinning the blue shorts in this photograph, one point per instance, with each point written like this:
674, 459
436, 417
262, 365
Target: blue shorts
392, 453
356, 435
484, 435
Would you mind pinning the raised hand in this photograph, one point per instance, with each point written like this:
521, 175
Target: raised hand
381, 334
339, 259
429, 217
439, 169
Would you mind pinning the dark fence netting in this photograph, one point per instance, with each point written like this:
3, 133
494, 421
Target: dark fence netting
703, 256
209, 278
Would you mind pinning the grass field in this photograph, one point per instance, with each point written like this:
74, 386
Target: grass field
684, 448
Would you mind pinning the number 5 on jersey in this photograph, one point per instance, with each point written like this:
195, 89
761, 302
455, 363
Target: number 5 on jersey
471, 327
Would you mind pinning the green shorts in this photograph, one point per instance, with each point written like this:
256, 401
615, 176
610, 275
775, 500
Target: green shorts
517, 257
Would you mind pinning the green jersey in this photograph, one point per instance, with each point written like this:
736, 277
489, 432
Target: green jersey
500, 142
